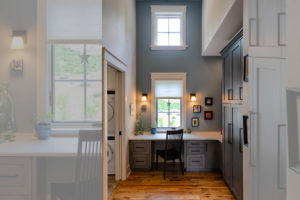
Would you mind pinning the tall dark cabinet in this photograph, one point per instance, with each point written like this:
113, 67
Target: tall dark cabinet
232, 96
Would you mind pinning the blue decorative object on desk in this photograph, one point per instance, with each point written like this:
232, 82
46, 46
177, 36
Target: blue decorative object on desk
43, 130
153, 130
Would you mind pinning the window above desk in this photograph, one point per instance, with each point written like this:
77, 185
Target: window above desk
168, 100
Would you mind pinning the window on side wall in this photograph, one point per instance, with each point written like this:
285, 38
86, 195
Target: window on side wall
168, 27
76, 84
168, 100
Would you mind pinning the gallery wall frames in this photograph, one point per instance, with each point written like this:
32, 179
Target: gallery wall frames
197, 108
208, 115
208, 101
195, 122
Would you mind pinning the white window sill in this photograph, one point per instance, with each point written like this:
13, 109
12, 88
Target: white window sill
156, 47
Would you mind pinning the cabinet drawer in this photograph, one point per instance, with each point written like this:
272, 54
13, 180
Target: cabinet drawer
15, 176
196, 162
195, 144
140, 162
140, 147
195, 150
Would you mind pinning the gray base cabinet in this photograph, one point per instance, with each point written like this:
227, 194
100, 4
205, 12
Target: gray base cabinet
140, 155
202, 155
198, 155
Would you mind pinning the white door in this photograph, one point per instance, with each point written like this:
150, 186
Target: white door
267, 142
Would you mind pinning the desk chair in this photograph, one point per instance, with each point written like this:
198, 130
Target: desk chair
87, 185
173, 148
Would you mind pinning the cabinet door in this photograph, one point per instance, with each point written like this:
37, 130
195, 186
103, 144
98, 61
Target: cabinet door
227, 155
237, 153
252, 21
266, 174
212, 155
266, 23
227, 77
237, 70
268, 12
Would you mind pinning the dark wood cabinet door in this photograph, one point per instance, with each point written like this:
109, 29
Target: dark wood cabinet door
237, 151
227, 154
237, 70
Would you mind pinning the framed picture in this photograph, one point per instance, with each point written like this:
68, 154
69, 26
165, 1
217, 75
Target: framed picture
208, 101
197, 109
195, 121
246, 61
17, 65
208, 115
245, 128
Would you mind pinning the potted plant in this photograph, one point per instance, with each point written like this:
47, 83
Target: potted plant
139, 126
43, 126
154, 129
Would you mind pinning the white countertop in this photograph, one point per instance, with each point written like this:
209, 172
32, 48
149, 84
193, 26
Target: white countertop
208, 135
28, 145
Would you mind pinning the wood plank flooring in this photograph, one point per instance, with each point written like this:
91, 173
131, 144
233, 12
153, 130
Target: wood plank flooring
191, 186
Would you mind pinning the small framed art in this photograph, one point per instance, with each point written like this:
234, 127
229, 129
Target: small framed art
208, 101
195, 121
197, 109
246, 61
208, 115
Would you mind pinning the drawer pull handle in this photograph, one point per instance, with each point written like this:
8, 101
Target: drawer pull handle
195, 143
9, 176
196, 161
139, 161
139, 147
196, 151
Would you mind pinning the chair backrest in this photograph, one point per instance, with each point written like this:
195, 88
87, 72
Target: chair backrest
88, 175
174, 139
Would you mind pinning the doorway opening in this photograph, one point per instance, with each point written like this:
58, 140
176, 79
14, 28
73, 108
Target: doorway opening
113, 128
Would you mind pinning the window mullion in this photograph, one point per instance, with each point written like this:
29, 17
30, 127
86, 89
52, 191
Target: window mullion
85, 84
169, 124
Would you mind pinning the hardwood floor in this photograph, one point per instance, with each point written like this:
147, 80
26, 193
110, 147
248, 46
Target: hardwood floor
191, 186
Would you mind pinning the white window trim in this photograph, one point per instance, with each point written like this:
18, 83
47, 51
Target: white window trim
166, 10
65, 128
168, 76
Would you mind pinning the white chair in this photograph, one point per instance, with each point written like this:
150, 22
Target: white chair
87, 185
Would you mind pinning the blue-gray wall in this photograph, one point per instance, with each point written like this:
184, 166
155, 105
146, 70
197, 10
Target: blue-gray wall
204, 74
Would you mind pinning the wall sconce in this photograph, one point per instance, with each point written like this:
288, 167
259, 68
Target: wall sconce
193, 97
144, 97
18, 39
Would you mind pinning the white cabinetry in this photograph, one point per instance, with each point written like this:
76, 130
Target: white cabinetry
15, 178
267, 28
267, 148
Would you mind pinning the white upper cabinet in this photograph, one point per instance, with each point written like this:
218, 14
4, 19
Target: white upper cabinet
267, 26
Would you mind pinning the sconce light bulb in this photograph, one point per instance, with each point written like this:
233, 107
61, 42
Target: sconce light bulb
17, 42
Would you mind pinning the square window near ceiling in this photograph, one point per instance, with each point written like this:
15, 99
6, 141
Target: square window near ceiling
168, 27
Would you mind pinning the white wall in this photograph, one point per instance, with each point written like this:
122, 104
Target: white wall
220, 21
74, 19
19, 15
213, 14
119, 37
292, 79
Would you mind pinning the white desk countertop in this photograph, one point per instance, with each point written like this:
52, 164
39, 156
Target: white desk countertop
209, 135
27, 145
